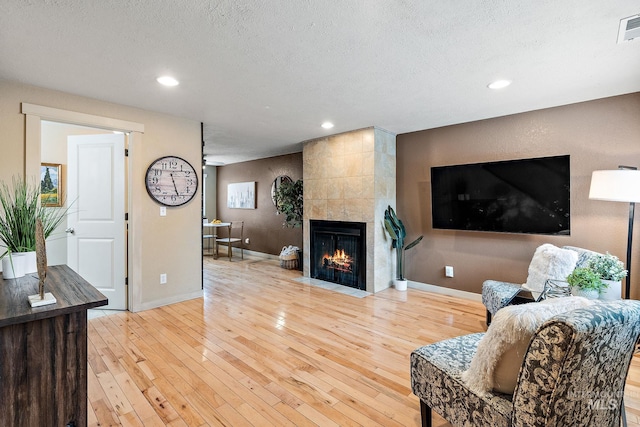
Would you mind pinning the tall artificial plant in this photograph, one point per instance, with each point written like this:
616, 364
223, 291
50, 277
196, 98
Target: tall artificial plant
289, 200
398, 233
20, 207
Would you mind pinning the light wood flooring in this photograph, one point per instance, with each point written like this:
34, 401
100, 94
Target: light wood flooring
261, 349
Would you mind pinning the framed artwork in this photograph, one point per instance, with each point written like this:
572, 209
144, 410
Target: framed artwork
241, 195
51, 189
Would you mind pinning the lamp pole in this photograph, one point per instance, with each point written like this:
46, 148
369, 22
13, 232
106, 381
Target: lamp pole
632, 207
619, 185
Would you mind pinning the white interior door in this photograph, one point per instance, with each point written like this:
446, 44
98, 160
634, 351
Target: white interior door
96, 243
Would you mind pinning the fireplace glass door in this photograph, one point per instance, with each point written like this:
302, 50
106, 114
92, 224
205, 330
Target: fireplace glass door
338, 254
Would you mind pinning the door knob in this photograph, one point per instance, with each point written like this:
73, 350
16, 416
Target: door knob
70, 230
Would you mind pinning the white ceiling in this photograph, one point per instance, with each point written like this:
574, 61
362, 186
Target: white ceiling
263, 75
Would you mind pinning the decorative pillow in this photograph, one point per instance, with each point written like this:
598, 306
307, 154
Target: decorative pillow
501, 350
549, 262
584, 255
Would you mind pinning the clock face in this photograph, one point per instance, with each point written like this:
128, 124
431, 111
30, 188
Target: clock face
171, 181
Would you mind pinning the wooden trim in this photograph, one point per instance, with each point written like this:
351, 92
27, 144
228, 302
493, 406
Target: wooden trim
34, 114
76, 118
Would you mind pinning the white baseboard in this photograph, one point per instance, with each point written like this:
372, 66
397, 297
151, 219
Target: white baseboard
170, 300
259, 254
445, 291
222, 252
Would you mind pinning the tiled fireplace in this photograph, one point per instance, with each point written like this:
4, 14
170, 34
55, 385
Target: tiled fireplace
351, 177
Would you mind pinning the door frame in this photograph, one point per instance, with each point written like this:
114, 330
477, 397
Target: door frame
34, 114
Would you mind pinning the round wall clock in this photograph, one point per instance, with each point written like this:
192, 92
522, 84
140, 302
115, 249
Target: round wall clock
171, 181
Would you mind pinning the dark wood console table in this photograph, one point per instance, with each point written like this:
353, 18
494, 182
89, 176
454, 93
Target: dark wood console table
43, 350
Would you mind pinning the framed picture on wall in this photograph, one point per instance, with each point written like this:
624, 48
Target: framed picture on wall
241, 195
51, 190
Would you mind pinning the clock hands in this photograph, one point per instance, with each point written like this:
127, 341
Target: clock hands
169, 171
174, 184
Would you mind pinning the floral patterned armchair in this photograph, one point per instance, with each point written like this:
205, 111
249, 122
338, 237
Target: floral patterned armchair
497, 294
573, 373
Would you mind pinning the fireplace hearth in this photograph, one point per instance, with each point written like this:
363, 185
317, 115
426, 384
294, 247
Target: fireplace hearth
338, 252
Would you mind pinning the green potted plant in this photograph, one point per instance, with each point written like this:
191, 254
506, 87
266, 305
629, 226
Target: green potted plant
398, 233
288, 198
585, 282
19, 208
611, 271
289, 202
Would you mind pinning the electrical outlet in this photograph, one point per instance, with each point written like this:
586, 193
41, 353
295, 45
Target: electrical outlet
448, 271
163, 278
163, 211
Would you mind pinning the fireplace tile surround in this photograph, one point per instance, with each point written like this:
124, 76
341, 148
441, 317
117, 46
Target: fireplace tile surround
352, 177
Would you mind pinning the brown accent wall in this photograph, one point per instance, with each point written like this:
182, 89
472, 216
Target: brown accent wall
210, 186
262, 225
600, 134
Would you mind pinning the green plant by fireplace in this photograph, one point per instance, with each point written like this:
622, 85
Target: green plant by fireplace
398, 233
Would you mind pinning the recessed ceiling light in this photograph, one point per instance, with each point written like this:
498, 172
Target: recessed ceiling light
499, 84
167, 81
327, 125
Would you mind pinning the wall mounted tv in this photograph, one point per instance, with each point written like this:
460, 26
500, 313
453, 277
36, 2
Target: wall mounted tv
517, 196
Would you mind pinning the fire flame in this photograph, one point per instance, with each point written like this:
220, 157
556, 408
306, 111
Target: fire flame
340, 260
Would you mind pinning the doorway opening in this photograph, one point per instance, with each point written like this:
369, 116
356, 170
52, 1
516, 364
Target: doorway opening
130, 248
92, 240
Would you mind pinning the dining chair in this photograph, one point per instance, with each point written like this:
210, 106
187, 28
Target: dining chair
236, 237
206, 243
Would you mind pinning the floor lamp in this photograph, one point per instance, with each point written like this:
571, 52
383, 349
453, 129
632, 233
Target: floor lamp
621, 185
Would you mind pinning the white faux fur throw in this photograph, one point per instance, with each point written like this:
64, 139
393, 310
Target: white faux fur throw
511, 324
549, 262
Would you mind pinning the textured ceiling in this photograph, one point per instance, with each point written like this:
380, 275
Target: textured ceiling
263, 75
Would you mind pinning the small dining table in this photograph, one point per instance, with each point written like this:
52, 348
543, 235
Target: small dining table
215, 244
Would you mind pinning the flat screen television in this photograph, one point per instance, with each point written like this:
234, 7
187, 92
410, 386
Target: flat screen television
516, 196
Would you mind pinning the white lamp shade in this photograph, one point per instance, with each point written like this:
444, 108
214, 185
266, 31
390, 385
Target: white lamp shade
620, 185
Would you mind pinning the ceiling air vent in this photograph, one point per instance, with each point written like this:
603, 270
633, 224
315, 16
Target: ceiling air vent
629, 29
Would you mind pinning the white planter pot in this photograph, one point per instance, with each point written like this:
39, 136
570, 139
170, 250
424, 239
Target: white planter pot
30, 262
400, 285
589, 294
613, 291
13, 266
